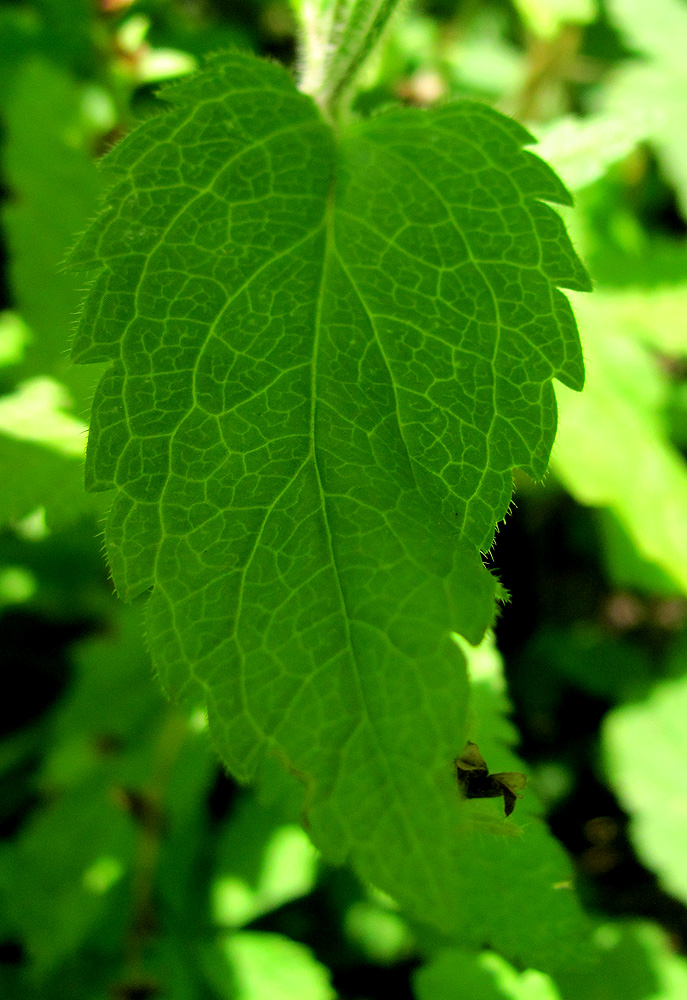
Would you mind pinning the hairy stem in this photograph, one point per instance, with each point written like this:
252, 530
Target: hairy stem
335, 43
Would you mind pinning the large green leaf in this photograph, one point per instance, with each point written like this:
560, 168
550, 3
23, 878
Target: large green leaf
325, 359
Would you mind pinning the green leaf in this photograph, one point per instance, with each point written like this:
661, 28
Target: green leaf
251, 965
41, 455
581, 150
454, 974
379, 931
645, 747
69, 29
61, 873
45, 150
505, 861
546, 17
654, 316
632, 961
35, 476
325, 360
262, 863
627, 568
628, 961
109, 703
603, 664
654, 89
613, 448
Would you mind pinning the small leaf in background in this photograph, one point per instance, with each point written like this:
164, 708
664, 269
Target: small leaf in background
653, 87
46, 148
546, 17
581, 150
379, 931
261, 864
629, 961
456, 974
645, 748
252, 965
61, 872
33, 476
613, 448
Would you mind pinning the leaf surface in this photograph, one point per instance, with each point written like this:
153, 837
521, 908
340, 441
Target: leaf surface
325, 360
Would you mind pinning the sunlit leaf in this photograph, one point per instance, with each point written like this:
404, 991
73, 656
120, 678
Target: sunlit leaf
455, 974
645, 746
546, 17
258, 965
261, 865
613, 448
653, 89
316, 398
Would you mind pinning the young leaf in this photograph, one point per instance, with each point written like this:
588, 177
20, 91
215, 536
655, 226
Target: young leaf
325, 360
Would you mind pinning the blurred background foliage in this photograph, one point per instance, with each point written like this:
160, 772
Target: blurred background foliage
131, 867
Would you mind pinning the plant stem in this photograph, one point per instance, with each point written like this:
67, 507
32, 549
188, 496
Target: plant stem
335, 43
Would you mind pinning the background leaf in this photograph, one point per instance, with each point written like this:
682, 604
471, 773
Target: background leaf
613, 449
645, 755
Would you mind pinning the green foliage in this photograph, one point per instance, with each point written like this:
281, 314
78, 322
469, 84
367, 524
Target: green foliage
486, 977
261, 864
629, 961
655, 86
261, 965
330, 327
515, 858
645, 759
633, 468
55, 888
46, 147
547, 17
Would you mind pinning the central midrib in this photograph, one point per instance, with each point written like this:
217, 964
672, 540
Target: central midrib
356, 673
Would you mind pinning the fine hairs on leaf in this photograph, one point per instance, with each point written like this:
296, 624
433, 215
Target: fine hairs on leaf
327, 353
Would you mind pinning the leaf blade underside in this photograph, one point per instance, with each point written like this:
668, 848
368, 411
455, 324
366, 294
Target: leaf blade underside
267, 436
